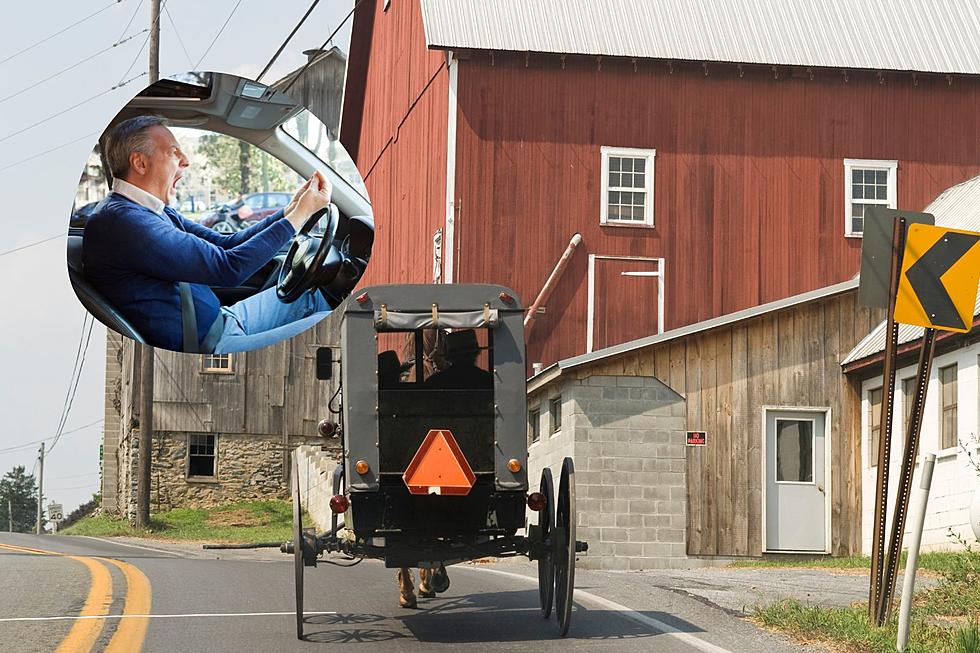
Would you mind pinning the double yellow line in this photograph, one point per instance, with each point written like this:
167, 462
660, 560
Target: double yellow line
130, 631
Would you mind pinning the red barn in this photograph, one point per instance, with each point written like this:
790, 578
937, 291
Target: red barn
713, 156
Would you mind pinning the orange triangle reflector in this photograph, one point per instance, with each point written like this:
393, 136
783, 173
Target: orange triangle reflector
439, 467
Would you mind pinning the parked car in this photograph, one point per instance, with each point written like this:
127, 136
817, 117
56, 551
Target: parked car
235, 216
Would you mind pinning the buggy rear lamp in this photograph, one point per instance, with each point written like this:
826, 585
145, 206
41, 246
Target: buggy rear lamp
514, 465
361, 467
339, 503
326, 428
505, 298
536, 501
360, 299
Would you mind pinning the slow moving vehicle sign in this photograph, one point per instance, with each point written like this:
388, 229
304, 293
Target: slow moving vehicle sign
938, 285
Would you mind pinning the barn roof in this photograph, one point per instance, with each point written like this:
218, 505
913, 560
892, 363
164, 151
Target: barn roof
957, 208
937, 36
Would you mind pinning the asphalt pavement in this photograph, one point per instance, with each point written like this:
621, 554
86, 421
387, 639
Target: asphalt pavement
153, 597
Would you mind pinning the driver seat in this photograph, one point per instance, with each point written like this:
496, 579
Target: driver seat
91, 298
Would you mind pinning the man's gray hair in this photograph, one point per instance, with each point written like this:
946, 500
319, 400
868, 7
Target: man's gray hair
127, 137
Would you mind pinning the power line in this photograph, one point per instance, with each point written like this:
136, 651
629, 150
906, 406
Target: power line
73, 487
38, 242
77, 377
48, 151
61, 31
214, 40
177, 32
65, 70
131, 19
65, 478
74, 106
320, 57
27, 445
288, 39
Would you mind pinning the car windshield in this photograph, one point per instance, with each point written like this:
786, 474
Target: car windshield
312, 134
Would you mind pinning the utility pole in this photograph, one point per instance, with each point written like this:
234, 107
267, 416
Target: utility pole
145, 351
40, 488
10, 515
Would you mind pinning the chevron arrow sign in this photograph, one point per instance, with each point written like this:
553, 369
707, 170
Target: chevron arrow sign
940, 272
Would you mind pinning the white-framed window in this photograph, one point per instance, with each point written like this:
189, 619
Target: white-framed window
216, 364
867, 182
202, 456
534, 425
627, 187
948, 428
875, 398
554, 407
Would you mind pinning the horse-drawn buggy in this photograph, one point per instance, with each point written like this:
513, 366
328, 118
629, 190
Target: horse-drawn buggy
434, 442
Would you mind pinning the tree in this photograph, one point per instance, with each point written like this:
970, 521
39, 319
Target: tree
21, 490
238, 168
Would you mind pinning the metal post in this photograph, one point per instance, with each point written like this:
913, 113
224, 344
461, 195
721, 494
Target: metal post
885, 441
40, 489
918, 521
905, 480
10, 516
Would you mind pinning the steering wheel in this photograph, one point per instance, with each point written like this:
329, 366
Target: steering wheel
311, 260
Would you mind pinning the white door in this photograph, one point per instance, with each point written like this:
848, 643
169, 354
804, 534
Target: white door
796, 481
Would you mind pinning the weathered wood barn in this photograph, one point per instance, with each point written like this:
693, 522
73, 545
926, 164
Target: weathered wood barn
778, 468
714, 157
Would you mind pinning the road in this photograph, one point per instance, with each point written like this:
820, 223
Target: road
84, 594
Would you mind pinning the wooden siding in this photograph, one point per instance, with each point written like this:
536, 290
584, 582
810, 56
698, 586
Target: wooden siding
749, 181
395, 123
787, 358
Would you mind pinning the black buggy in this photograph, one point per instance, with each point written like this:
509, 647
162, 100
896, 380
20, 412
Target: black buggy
437, 475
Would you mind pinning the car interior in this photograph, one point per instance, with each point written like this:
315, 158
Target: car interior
255, 113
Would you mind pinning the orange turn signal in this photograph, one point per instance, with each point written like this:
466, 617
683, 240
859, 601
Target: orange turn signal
514, 465
361, 467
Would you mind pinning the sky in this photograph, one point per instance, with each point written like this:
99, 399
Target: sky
49, 123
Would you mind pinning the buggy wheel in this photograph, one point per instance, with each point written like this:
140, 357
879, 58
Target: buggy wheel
546, 563
564, 546
298, 549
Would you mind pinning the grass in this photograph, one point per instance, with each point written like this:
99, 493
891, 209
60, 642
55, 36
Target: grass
937, 561
944, 617
249, 521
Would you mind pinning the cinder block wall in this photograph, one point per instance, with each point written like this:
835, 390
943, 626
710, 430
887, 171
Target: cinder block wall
627, 437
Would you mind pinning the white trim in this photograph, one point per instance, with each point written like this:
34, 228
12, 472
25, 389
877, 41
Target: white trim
650, 156
590, 315
449, 235
868, 164
828, 476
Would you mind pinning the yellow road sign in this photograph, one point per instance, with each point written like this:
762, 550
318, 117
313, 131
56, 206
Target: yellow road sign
940, 272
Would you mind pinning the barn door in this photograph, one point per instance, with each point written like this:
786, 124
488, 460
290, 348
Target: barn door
626, 299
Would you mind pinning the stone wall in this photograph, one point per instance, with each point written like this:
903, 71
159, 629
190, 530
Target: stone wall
247, 468
627, 437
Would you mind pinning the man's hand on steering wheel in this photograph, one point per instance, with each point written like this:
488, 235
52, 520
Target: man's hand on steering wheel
313, 196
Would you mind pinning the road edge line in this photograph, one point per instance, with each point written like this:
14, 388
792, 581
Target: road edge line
661, 626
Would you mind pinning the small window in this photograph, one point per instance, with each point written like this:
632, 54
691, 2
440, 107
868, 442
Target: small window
874, 425
908, 398
867, 183
534, 425
554, 407
947, 382
216, 364
794, 451
201, 455
627, 187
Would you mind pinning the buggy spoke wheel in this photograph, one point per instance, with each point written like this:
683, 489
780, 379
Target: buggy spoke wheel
564, 546
298, 549
546, 563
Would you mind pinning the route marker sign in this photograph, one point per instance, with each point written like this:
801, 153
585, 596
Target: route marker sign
940, 273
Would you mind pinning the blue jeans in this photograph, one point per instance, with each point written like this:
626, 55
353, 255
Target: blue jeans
263, 320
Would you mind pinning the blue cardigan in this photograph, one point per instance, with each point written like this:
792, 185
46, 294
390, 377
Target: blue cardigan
136, 257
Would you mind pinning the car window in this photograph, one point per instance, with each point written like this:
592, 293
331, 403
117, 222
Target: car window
254, 202
278, 200
312, 134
